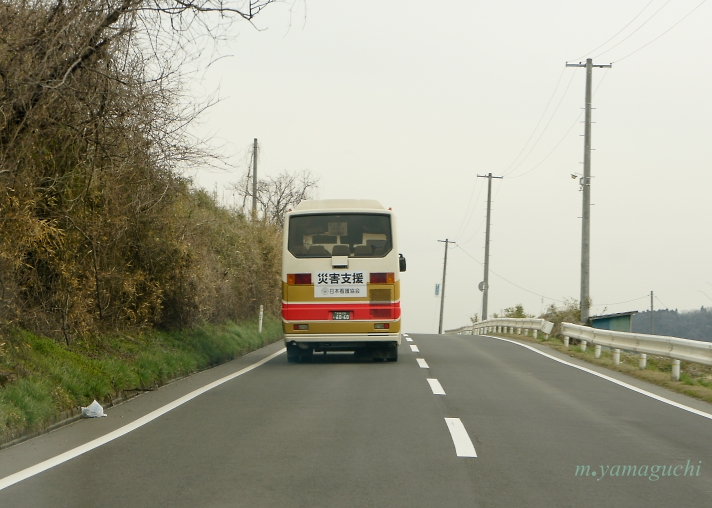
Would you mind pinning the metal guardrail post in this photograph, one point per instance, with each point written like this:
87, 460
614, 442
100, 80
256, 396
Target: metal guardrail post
597, 351
642, 360
676, 370
616, 356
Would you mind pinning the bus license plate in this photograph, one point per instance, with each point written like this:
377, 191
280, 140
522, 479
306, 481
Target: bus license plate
339, 315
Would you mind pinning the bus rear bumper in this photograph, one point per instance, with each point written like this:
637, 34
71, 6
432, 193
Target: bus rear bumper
341, 340
382, 346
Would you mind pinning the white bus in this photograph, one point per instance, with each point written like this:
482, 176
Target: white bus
341, 280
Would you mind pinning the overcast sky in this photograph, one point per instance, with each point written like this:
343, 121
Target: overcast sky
407, 101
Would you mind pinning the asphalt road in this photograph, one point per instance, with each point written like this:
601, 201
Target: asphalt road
339, 432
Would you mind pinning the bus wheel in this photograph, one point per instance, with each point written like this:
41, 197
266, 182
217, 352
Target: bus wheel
392, 354
305, 355
292, 354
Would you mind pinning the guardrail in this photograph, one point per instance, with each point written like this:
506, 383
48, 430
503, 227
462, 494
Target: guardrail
671, 347
507, 325
467, 330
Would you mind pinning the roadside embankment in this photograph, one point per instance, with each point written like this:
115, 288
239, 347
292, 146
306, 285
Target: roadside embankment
43, 382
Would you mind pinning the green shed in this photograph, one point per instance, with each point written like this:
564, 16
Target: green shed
620, 322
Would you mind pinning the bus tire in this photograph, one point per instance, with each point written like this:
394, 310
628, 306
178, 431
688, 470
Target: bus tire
305, 355
392, 354
292, 354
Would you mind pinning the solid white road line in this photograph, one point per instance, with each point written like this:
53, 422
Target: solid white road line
436, 387
463, 444
409, 339
612, 380
422, 363
414, 348
79, 450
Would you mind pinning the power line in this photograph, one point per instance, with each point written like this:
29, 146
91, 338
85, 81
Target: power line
620, 303
634, 31
482, 221
521, 151
666, 31
458, 246
464, 224
563, 137
616, 34
543, 113
508, 171
658, 299
553, 149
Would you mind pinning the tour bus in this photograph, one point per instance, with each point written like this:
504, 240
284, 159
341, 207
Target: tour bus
341, 280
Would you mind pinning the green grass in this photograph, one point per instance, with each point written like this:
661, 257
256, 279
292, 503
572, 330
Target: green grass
40, 378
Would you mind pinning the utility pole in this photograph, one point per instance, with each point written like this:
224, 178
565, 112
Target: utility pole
586, 187
254, 181
442, 289
484, 285
652, 316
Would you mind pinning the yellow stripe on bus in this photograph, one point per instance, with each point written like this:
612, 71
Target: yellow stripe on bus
305, 293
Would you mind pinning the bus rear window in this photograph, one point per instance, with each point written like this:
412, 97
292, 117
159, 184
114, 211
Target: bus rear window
356, 235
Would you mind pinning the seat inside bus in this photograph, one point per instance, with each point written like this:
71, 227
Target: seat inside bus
340, 250
318, 251
361, 251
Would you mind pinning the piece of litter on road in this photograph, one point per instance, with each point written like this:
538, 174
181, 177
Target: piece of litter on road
93, 410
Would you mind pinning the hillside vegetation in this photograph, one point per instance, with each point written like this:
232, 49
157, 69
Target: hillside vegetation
116, 272
99, 230
693, 324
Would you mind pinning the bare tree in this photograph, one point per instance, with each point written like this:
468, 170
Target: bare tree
276, 195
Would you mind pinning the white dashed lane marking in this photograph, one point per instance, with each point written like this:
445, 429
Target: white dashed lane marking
422, 363
463, 444
414, 348
409, 339
436, 387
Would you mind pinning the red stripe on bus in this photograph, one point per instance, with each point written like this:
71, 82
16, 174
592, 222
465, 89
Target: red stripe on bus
322, 311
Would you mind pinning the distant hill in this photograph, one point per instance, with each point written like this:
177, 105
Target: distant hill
694, 324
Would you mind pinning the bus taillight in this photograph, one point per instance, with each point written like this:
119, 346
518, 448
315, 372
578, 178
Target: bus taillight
299, 278
382, 278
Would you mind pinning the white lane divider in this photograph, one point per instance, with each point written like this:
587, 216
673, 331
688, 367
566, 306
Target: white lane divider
463, 444
79, 450
422, 363
414, 348
436, 387
409, 339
